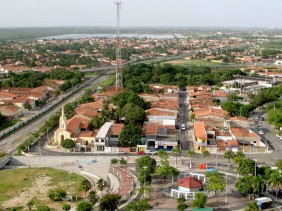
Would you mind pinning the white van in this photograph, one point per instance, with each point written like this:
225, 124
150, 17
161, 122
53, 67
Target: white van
183, 127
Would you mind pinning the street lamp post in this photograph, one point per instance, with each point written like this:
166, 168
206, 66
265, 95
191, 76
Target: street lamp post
216, 157
225, 188
70, 184
255, 167
144, 167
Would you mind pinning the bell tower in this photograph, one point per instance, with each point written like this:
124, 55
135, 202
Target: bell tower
63, 120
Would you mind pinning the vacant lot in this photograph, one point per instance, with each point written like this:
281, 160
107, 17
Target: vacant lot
20, 186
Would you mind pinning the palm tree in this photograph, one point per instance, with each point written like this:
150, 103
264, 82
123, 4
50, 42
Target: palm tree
190, 153
93, 198
258, 185
205, 154
101, 185
228, 155
275, 181
175, 151
85, 185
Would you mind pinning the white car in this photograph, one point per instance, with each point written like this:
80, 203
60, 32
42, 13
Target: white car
151, 152
261, 132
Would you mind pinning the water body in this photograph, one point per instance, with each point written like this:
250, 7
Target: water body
83, 36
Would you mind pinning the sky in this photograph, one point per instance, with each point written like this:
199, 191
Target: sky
171, 13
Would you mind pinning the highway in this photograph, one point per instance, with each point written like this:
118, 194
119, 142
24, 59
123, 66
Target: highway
13, 140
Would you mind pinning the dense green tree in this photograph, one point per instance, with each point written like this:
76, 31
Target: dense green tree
166, 170
247, 166
109, 202
95, 123
68, 144
230, 107
238, 157
200, 200
216, 182
244, 185
146, 161
130, 135
84, 206
133, 114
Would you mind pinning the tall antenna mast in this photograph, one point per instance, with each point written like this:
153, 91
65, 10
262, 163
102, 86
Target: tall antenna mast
119, 83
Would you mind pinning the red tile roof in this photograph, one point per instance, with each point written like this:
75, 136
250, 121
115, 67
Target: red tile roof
171, 104
160, 112
200, 131
189, 182
150, 128
115, 129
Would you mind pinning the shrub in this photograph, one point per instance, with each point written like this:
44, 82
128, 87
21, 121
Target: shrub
57, 195
84, 206
114, 161
43, 208
182, 207
66, 207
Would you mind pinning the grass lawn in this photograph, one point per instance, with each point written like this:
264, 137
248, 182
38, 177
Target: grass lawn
194, 62
15, 183
109, 81
90, 74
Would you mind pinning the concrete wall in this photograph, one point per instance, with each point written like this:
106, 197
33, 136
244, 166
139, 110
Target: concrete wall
96, 165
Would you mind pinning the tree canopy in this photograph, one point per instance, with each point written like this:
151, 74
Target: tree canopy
109, 202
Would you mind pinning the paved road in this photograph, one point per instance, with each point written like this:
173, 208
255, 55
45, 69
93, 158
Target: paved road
13, 140
184, 135
269, 133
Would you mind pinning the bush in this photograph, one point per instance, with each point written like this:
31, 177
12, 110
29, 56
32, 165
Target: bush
181, 200
114, 161
43, 208
123, 161
66, 207
84, 206
68, 144
182, 207
57, 195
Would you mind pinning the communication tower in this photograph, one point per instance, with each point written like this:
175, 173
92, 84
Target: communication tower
119, 83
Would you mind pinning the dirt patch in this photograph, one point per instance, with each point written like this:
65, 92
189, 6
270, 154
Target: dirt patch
39, 190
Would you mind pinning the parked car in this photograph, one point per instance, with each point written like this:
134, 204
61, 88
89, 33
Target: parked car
151, 152
261, 132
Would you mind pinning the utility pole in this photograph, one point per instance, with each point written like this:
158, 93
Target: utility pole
119, 82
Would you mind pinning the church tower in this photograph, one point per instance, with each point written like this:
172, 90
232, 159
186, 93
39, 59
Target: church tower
63, 120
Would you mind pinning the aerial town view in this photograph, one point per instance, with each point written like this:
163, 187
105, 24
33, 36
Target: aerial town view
141, 105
